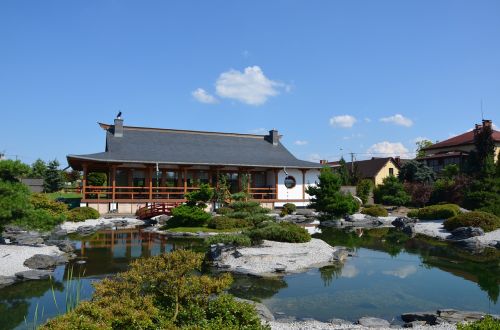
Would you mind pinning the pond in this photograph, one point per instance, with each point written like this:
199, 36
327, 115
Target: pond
389, 274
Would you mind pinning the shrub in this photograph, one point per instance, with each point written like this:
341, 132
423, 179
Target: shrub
487, 221
239, 214
14, 201
375, 211
281, 232
82, 213
188, 216
161, 292
436, 212
240, 196
363, 189
223, 222
288, 208
488, 323
223, 210
41, 201
420, 193
412, 213
40, 219
258, 218
236, 240
252, 207
391, 192
201, 196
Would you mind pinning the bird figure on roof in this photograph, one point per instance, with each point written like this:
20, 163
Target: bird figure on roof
119, 115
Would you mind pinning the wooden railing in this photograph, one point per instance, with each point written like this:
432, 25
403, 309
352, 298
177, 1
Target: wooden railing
122, 193
155, 209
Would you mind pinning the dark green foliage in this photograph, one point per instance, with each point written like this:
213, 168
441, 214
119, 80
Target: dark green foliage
221, 192
161, 292
391, 192
82, 213
96, 179
239, 214
236, 240
42, 202
38, 169
201, 196
240, 196
251, 207
327, 198
450, 190
436, 212
258, 218
488, 323
485, 220
223, 222
421, 145
39, 219
224, 210
188, 216
375, 211
343, 172
450, 171
53, 180
73, 176
288, 208
483, 195
415, 171
12, 170
14, 201
281, 232
363, 189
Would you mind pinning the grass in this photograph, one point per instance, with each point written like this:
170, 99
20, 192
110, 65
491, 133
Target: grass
202, 229
59, 194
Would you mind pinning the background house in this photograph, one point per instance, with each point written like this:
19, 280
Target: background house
456, 149
375, 169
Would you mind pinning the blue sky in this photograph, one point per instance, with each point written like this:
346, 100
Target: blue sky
333, 77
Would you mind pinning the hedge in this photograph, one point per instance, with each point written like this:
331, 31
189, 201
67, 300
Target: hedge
188, 216
223, 222
435, 212
82, 213
280, 232
487, 221
236, 240
375, 211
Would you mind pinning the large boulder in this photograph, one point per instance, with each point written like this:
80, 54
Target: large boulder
19, 236
472, 245
66, 246
466, 232
409, 230
373, 322
430, 318
41, 261
400, 222
34, 274
86, 230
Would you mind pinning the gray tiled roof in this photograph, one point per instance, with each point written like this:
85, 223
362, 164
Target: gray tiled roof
165, 146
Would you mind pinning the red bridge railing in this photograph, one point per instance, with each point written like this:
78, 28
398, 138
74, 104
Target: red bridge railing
155, 209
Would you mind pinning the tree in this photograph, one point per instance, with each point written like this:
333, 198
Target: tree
421, 145
97, 179
53, 180
420, 192
343, 172
221, 193
363, 189
12, 170
391, 192
327, 197
38, 169
415, 171
480, 162
73, 176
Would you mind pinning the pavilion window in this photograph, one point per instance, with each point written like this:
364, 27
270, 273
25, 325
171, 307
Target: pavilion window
121, 178
139, 178
203, 177
232, 180
171, 178
258, 179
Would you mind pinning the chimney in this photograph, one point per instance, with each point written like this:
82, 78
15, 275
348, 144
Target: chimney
397, 159
487, 123
273, 137
323, 161
118, 127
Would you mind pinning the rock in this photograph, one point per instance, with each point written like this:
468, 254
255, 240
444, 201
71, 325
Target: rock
120, 223
34, 274
40, 261
403, 221
340, 254
361, 220
6, 280
472, 245
454, 316
60, 233
305, 212
428, 317
86, 230
466, 232
373, 322
414, 324
66, 246
409, 230
338, 321
280, 269
332, 223
162, 219
264, 312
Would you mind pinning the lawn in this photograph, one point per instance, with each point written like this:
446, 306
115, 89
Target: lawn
59, 194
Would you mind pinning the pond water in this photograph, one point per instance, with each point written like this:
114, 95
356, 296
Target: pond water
390, 274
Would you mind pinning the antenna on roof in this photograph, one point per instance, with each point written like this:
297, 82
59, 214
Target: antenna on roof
119, 115
482, 115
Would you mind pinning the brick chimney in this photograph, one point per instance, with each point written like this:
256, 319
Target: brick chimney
273, 137
118, 127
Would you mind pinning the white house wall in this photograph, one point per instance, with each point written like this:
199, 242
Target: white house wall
296, 192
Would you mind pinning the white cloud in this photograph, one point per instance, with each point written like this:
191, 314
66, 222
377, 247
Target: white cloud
402, 272
260, 130
387, 149
202, 96
342, 121
367, 120
301, 142
398, 119
349, 271
250, 86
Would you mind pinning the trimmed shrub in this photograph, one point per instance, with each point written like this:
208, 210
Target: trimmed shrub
375, 211
223, 210
488, 323
252, 207
82, 213
223, 222
188, 216
258, 218
42, 202
280, 232
40, 219
436, 212
289, 208
487, 221
363, 189
412, 213
236, 240
239, 214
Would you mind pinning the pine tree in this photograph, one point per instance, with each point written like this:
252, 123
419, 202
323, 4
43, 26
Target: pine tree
38, 169
53, 180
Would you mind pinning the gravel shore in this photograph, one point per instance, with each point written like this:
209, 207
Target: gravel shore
435, 229
12, 257
264, 259
71, 227
317, 325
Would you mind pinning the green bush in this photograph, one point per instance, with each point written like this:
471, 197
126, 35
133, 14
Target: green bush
236, 240
223, 222
391, 192
14, 201
41, 201
201, 196
436, 212
363, 189
188, 216
412, 213
239, 214
281, 232
252, 207
258, 218
82, 213
223, 210
240, 196
487, 221
39, 219
488, 323
290, 208
375, 211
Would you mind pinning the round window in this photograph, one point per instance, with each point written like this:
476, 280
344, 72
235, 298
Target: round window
290, 182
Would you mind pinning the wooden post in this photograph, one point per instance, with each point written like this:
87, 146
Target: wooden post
304, 183
113, 182
150, 182
84, 181
185, 181
276, 183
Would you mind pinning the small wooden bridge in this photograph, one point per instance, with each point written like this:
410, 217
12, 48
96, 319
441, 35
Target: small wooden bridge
155, 209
